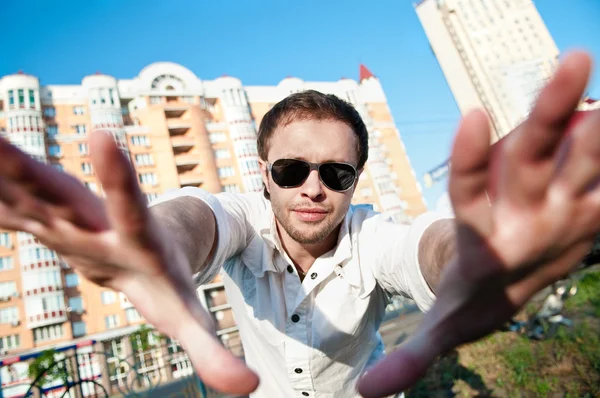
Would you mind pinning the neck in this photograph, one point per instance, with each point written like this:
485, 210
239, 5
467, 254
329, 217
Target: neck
303, 255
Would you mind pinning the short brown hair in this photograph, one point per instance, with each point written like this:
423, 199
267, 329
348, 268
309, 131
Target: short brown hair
312, 105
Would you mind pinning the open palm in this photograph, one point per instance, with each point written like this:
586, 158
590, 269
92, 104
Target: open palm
118, 244
540, 221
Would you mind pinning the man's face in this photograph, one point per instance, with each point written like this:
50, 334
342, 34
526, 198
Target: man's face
310, 212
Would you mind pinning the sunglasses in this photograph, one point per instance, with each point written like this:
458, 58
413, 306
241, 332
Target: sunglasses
291, 173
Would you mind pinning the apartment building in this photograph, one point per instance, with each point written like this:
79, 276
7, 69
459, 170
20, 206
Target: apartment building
495, 55
178, 131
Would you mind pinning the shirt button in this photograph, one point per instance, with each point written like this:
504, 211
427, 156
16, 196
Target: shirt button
313, 275
295, 318
305, 393
290, 269
298, 370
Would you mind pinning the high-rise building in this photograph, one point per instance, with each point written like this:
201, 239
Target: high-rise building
178, 131
495, 54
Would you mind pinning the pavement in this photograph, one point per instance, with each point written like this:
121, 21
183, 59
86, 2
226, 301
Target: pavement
397, 328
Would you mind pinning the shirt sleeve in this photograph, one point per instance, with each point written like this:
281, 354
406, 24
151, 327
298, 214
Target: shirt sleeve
234, 214
397, 269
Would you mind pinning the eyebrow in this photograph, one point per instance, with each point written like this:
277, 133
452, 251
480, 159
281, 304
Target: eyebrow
296, 157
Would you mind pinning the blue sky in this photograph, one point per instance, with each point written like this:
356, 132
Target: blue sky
262, 42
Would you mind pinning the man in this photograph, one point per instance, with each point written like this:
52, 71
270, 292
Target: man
307, 274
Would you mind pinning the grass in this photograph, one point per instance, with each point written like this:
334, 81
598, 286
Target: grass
509, 365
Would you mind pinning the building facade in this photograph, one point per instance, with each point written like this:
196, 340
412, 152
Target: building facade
178, 131
495, 55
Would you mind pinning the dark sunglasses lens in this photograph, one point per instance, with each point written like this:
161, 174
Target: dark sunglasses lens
289, 172
337, 176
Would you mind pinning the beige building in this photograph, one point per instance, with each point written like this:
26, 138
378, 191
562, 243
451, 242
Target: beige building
495, 54
178, 131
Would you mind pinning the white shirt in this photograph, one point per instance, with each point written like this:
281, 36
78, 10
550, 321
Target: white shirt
316, 337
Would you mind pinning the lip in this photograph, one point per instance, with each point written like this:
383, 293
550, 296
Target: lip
310, 214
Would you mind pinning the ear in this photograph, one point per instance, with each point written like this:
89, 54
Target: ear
264, 173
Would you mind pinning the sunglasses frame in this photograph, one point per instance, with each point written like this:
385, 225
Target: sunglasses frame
314, 166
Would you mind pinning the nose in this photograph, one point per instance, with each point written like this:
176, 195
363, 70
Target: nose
312, 187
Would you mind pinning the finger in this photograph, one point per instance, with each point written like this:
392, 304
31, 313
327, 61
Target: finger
469, 172
542, 132
21, 202
581, 168
187, 322
125, 202
50, 185
524, 289
399, 370
215, 365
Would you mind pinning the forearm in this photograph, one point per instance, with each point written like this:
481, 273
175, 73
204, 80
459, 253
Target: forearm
192, 224
436, 247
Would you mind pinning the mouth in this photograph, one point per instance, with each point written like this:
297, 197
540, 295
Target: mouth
310, 215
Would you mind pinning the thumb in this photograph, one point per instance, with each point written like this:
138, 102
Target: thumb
214, 364
401, 369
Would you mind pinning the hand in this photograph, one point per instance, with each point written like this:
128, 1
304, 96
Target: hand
117, 244
541, 221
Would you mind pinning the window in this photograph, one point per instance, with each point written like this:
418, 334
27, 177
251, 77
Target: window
6, 263
9, 315
10, 342
52, 130
47, 333
21, 98
84, 149
132, 315
225, 172
58, 166
78, 110
92, 186
76, 303
366, 192
5, 240
217, 137
49, 111
231, 188
111, 321
222, 154
151, 196
79, 329
148, 178
86, 168
72, 280
54, 150
140, 140
144, 159
108, 297
31, 99
8, 289
11, 99
110, 94
80, 129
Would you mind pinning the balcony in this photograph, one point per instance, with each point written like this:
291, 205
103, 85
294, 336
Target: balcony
178, 127
137, 129
174, 111
212, 126
49, 288
182, 144
46, 318
41, 264
190, 180
186, 164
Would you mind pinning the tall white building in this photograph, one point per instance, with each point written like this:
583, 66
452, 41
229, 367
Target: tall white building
495, 54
